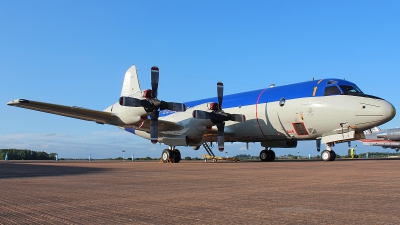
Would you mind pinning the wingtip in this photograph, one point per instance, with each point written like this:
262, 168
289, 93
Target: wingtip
17, 101
11, 102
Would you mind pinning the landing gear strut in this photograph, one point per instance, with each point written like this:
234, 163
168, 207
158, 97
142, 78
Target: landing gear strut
267, 155
171, 155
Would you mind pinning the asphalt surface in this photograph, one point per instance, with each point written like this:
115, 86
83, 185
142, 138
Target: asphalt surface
281, 192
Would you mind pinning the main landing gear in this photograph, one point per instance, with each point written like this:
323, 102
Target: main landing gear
267, 155
171, 155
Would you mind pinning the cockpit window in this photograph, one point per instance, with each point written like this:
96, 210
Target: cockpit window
332, 82
332, 90
349, 89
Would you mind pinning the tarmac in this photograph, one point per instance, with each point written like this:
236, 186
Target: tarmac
280, 192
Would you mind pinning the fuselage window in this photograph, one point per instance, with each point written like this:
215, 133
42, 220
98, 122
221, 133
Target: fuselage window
332, 90
332, 82
282, 102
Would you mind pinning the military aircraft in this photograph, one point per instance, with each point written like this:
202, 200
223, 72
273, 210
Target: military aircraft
329, 111
389, 138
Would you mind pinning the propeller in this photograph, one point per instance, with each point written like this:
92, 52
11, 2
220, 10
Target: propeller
218, 116
151, 104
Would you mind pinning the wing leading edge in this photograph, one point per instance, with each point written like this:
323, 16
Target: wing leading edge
68, 111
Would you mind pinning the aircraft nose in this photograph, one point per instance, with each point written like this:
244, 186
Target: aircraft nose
387, 110
393, 111
374, 112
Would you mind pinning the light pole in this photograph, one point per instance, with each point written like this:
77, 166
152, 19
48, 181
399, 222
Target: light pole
123, 154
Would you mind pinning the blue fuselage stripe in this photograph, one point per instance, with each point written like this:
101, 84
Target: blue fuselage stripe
291, 91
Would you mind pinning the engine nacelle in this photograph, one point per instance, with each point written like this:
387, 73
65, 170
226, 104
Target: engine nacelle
181, 141
127, 115
196, 147
280, 144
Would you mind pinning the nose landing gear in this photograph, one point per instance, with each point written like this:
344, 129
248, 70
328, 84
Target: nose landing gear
328, 154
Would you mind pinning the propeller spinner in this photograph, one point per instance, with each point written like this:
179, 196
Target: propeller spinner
152, 105
218, 116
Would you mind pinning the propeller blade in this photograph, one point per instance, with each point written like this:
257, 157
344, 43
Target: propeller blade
199, 114
133, 102
220, 93
154, 126
155, 74
237, 117
220, 127
173, 106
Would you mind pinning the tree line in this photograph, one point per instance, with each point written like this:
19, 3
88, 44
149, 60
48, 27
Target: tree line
25, 154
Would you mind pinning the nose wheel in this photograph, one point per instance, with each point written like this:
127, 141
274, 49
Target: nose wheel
327, 155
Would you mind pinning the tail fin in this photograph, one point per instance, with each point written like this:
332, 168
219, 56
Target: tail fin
131, 82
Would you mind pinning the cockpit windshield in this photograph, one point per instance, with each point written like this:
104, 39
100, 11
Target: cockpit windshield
350, 89
342, 89
335, 87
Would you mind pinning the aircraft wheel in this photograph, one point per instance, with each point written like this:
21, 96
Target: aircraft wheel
333, 156
272, 153
264, 155
214, 160
165, 155
172, 154
326, 155
177, 156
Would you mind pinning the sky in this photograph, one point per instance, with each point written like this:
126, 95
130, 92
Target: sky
76, 53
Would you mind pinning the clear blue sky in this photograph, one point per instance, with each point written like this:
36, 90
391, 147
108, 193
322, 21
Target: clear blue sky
76, 53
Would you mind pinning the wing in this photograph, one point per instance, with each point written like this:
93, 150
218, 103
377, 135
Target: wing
212, 135
163, 125
69, 111
100, 117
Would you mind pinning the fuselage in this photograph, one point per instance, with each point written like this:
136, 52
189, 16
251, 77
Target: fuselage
302, 111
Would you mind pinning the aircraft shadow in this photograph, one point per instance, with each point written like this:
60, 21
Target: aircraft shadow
22, 170
316, 160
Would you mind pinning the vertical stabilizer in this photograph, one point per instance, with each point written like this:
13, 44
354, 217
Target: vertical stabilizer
131, 82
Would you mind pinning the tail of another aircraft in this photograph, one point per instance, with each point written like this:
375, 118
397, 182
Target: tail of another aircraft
131, 82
